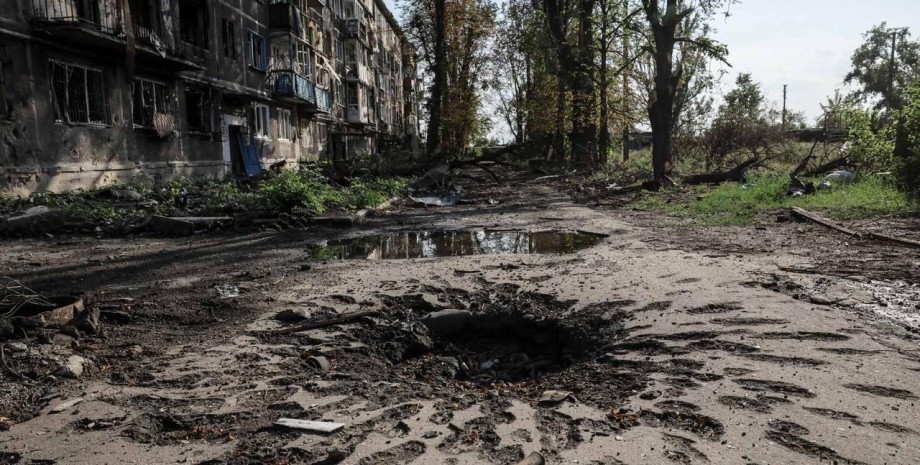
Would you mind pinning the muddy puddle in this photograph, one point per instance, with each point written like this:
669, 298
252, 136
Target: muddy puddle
429, 244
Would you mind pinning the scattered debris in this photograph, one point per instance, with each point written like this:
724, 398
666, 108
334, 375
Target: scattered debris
320, 362
446, 322
448, 201
228, 291
553, 397
35, 218
535, 458
347, 318
66, 405
73, 368
171, 226
805, 214
293, 315
324, 427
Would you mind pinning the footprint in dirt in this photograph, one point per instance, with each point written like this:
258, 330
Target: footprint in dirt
723, 307
789, 435
882, 391
778, 387
807, 336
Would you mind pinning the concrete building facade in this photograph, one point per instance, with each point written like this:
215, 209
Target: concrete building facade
97, 91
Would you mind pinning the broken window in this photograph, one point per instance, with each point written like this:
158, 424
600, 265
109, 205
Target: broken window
229, 35
258, 53
193, 17
285, 129
261, 121
198, 110
78, 94
151, 98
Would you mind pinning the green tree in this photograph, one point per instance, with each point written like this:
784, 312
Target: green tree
872, 67
664, 34
907, 143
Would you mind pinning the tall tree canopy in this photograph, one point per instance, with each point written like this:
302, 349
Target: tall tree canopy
872, 71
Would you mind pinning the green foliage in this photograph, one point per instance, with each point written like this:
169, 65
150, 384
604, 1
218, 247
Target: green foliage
737, 204
869, 149
872, 66
302, 192
908, 143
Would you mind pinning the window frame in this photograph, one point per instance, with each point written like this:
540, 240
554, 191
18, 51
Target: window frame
261, 124
167, 96
64, 117
205, 111
258, 59
285, 124
228, 33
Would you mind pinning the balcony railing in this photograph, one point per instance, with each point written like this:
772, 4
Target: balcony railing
354, 29
97, 15
293, 85
323, 99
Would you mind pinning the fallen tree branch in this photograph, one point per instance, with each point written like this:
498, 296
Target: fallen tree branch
347, 318
805, 214
736, 174
798, 170
829, 166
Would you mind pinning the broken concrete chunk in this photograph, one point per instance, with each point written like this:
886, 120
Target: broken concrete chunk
552, 397
73, 369
320, 362
293, 315
66, 405
171, 226
18, 347
535, 458
127, 195
446, 322
39, 218
312, 426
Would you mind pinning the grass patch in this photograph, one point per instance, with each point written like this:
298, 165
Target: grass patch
740, 204
301, 192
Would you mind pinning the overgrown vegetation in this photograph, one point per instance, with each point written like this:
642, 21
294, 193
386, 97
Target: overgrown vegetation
302, 192
742, 204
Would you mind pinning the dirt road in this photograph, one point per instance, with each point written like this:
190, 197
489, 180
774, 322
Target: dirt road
675, 346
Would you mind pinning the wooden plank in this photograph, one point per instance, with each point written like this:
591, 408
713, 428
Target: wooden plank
805, 214
324, 427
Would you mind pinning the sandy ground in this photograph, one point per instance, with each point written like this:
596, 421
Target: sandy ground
679, 345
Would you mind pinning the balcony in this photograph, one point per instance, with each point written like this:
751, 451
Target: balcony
294, 88
354, 29
96, 23
284, 14
357, 114
323, 100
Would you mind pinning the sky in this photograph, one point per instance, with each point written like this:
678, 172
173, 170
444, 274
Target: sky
805, 44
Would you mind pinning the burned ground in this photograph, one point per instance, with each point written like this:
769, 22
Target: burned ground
666, 345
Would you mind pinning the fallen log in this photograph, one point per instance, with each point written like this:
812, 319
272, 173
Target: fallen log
805, 214
798, 170
827, 167
347, 318
736, 174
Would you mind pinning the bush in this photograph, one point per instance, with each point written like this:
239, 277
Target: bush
908, 144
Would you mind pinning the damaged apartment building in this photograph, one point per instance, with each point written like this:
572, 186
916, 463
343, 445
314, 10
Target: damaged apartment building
100, 91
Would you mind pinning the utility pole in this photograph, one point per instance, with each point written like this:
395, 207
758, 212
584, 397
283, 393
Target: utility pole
785, 87
892, 64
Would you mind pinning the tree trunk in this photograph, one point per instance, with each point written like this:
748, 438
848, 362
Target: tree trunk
439, 86
661, 108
